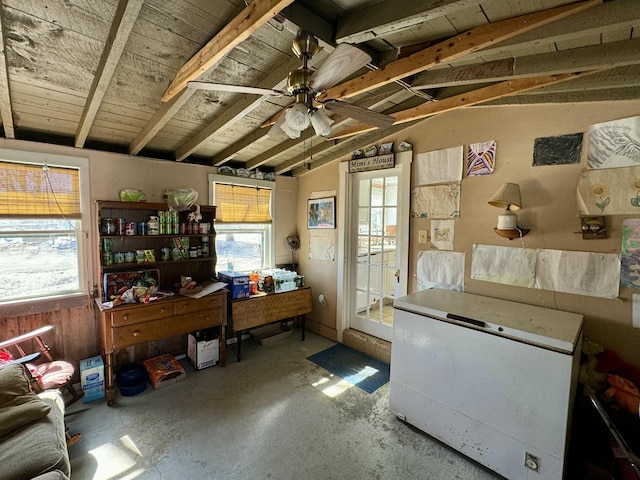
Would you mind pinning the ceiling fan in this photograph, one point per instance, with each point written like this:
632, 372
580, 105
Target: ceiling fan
305, 85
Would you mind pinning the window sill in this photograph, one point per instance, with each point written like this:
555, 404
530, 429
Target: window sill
48, 304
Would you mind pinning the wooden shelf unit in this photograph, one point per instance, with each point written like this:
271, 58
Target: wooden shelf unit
200, 268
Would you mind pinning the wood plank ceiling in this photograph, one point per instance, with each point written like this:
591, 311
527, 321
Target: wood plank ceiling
110, 74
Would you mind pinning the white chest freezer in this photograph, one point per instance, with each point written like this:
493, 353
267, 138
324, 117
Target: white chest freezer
493, 379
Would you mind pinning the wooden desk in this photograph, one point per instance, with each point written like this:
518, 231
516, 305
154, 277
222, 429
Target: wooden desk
133, 324
262, 309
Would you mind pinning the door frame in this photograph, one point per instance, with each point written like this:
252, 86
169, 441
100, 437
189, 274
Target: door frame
345, 245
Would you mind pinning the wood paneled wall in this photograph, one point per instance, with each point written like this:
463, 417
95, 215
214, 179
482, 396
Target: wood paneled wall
74, 335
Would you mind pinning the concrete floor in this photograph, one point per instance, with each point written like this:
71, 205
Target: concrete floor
275, 415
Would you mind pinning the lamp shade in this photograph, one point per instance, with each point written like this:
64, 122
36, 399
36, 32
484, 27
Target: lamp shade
508, 197
321, 123
297, 117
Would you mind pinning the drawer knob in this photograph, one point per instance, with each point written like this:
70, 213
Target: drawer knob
136, 333
162, 310
206, 318
126, 316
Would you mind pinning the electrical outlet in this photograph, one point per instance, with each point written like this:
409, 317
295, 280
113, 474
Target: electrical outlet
423, 236
532, 462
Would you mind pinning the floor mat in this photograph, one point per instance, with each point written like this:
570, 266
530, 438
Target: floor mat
357, 368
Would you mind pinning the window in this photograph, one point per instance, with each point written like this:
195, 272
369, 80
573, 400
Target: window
244, 222
42, 245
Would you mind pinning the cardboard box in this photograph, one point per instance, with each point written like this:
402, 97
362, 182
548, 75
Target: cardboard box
270, 333
203, 350
92, 378
238, 283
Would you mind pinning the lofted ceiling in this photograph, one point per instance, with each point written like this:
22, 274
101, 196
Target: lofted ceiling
111, 75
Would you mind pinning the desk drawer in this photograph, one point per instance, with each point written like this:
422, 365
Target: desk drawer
209, 302
129, 335
141, 313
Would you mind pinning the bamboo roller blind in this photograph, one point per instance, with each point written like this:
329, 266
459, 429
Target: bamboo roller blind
241, 204
32, 191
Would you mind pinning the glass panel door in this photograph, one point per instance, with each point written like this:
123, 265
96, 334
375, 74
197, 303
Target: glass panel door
375, 262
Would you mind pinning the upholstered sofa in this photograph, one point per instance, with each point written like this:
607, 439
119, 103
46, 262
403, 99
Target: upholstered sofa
32, 429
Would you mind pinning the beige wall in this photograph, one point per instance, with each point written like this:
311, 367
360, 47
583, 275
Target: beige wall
285, 218
549, 208
319, 274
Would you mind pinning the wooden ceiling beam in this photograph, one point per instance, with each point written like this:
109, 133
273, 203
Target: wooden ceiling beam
455, 47
255, 15
622, 77
577, 96
368, 23
159, 119
6, 110
597, 57
288, 144
225, 155
467, 99
309, 21
121, 27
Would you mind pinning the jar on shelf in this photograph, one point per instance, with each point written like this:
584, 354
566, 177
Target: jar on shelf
153, 226
108, 226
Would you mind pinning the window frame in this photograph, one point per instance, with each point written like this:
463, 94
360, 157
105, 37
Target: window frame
85, 263
269, 249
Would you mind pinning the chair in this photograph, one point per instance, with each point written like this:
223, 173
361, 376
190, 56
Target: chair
48, 375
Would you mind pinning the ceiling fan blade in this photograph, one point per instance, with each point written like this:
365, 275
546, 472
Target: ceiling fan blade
343, 61
361, 114
221, 87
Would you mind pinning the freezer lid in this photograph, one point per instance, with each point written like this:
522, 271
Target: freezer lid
545, 327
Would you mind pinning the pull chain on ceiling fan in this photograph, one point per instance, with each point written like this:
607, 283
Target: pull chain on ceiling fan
305, 85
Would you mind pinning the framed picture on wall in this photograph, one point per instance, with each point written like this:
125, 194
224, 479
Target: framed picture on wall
321, 213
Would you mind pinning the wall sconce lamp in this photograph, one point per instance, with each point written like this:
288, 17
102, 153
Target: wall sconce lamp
508, 197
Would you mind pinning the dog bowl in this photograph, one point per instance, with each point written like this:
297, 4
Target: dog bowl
131, 379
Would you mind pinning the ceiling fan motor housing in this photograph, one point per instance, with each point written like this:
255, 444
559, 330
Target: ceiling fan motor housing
298, 81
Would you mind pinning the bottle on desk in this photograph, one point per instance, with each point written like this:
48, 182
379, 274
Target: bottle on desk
230, 262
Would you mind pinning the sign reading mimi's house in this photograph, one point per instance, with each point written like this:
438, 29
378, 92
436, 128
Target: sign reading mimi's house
372, 163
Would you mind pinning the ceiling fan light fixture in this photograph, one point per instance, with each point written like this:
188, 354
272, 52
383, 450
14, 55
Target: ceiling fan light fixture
291, 132
297, 117
321, 123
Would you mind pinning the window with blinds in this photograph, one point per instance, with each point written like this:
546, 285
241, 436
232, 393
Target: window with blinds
244, 222
40, 230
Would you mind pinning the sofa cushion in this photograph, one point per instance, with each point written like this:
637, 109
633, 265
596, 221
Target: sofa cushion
39, 447
19, 406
